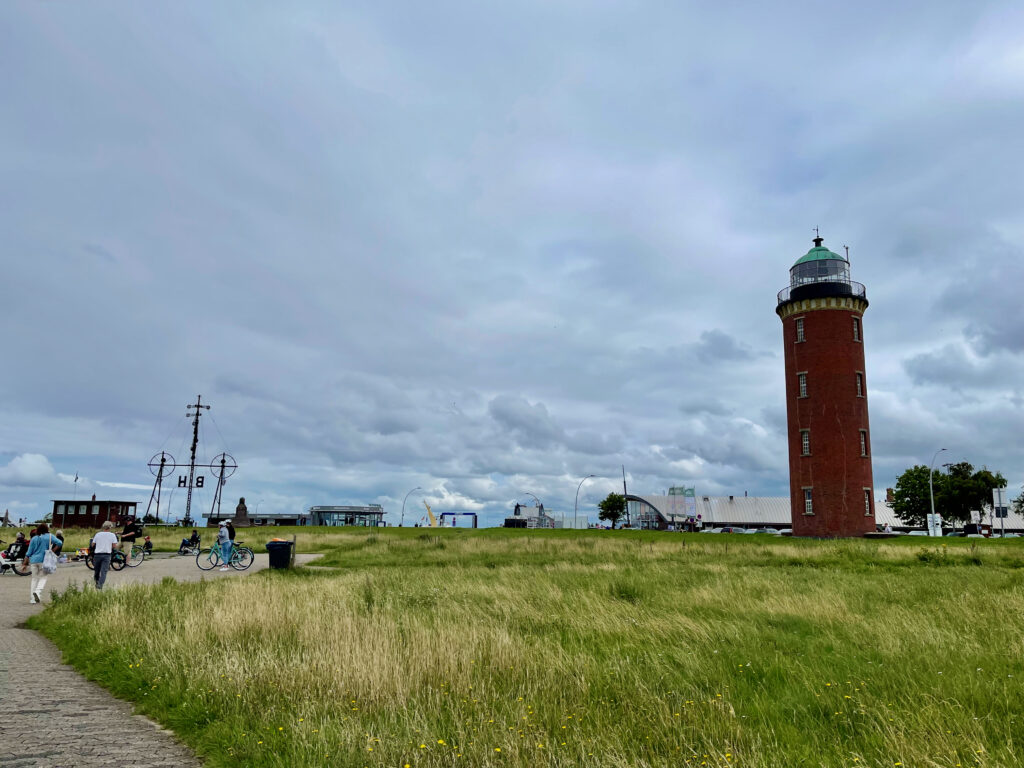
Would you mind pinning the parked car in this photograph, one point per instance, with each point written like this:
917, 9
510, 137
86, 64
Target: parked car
917, 533
733, 529
785, 532
762, 530
957, 534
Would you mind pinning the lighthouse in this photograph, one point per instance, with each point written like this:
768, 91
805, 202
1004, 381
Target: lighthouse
822, 313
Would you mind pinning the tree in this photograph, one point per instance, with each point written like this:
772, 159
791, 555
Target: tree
910, 500
958, 493
612, 508
1018, 503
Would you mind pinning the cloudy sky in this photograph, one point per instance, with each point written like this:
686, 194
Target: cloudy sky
490, 248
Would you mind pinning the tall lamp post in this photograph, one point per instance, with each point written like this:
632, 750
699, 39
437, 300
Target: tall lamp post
402, 519
576, 504
527, 493
931, 491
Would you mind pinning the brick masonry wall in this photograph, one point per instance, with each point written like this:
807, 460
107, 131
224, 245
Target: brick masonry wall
835, 470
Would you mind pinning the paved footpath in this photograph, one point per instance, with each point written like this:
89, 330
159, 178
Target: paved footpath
52, 717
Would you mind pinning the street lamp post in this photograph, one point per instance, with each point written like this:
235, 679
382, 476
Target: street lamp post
576, 504
402, 519
931, 491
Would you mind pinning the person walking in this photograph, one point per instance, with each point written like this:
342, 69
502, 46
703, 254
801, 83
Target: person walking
41, 543
103, 549
224, 540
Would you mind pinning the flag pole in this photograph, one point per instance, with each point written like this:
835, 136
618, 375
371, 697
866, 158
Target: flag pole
74, 498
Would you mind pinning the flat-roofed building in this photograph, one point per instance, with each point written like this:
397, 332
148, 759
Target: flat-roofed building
371, 515
90, 513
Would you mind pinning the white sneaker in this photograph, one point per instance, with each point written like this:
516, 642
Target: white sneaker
224, 568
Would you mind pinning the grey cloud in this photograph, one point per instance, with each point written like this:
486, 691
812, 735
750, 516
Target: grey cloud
530, 423
952, 367
717, 345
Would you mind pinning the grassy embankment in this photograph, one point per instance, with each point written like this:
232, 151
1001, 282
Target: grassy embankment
523, 648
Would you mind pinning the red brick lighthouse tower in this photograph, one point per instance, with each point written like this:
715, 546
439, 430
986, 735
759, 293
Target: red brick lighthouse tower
822, 314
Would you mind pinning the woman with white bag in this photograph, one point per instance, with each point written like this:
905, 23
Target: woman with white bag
43, 559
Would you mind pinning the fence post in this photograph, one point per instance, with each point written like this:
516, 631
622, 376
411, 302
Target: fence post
291, 562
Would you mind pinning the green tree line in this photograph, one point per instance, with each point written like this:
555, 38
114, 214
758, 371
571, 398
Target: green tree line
958, 492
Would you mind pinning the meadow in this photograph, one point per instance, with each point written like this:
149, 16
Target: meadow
417, 647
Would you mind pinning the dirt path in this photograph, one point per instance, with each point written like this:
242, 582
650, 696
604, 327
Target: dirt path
52, 717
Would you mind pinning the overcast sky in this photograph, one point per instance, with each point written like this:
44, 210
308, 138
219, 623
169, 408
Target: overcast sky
491, 248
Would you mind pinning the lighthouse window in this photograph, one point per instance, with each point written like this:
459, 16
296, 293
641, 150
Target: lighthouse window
808, 502
801, 380
799, 329
867, 502
860, 384
856, 329
863, 442
805, 442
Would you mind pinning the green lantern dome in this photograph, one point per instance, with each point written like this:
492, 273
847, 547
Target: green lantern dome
819, 253
821, 273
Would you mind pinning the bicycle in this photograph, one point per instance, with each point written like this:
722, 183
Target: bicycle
136, 555
118, 561
240, 559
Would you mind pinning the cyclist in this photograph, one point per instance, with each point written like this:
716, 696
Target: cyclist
224, 540
128, 536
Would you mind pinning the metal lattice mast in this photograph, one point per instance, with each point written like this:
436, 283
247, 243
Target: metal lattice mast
197, 407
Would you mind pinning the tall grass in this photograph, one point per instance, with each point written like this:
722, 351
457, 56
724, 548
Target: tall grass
517, 649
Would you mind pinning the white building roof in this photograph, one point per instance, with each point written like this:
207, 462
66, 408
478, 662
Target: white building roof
720, 510
775, 511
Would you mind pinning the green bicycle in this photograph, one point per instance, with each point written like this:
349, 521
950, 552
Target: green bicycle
240, 559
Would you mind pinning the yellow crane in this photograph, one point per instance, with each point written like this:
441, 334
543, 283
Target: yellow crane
430, 514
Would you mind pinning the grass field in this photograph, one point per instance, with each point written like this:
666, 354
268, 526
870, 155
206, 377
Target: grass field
566, 648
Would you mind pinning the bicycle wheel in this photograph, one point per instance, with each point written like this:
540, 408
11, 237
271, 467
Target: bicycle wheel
135, 556
117, 561
21, 570
89, 562
208, 559
242, 558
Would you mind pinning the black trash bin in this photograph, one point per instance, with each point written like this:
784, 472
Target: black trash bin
280, 554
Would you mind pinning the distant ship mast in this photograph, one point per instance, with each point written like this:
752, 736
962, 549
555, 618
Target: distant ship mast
222, 467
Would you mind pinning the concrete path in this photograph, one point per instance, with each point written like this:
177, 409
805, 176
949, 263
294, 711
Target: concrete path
52, 717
